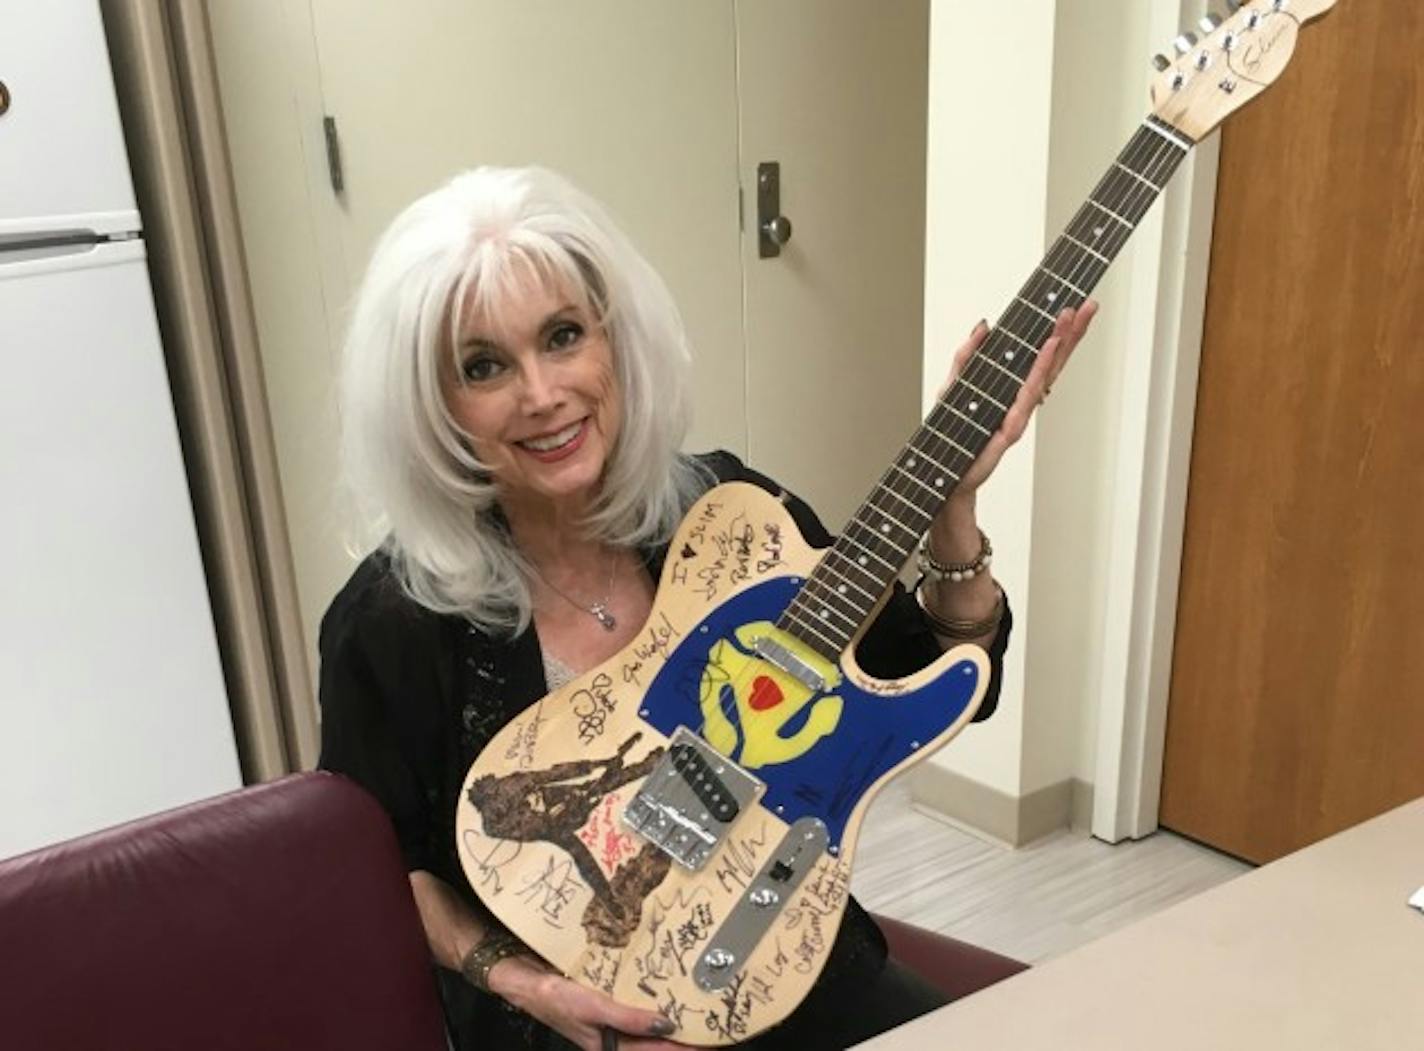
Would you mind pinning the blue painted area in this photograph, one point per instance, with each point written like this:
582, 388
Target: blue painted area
873, 734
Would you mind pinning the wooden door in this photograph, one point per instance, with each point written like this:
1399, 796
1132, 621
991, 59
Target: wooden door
1297, 696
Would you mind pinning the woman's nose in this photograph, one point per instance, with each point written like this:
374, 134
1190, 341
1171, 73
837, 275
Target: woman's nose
540, 388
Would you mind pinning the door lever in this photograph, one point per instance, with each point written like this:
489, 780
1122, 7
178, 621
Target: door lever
773, 228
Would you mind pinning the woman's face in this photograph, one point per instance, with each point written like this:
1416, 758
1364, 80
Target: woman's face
535, 392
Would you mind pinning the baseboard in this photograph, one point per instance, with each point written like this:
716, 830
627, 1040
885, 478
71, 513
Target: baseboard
1012, 820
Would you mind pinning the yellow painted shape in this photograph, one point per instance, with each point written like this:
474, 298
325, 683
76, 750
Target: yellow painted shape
762, 742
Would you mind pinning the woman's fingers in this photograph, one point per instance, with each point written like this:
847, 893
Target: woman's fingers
965, 351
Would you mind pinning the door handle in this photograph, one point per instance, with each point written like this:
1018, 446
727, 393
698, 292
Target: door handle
773, 228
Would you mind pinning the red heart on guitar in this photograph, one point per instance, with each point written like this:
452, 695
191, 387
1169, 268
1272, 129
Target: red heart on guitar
765, 694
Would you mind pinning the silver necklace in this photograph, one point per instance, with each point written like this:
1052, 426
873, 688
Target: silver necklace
598, 610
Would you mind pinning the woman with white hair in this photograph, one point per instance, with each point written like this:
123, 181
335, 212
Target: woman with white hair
514, 397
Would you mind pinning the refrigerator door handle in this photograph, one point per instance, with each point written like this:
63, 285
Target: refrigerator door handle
26, 262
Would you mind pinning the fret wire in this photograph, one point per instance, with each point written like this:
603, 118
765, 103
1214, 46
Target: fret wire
858, 523
1058, 294
882, 487
967, 402
1007, 372
1013, 362
1111, 214
979, 376
1135, 175
931, 456
972, 422
1095, 255
923, 433
927, 488
845, 580
872, 585
832, 595
828, 607
982, 394
870, 551
814, 629
940, 434
1021, 342
1032, 306
1032, 325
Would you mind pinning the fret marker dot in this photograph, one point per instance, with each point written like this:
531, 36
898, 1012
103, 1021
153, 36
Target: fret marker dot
861, 560
1052, 296
1008, 355
939, 483
910, 462
973, 406
825, 613
885, 528
841, 589
1098, 231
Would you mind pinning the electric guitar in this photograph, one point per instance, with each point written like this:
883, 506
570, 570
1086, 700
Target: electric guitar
676, 826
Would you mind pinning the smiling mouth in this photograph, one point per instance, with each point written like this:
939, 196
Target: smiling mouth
551, 442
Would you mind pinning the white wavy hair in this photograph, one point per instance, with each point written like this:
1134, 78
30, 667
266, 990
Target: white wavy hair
410, 466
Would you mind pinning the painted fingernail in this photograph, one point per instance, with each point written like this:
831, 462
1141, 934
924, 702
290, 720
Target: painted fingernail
983, 326
662, 1027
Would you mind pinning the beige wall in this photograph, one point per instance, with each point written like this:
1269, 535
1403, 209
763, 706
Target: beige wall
987, 188
1022, 123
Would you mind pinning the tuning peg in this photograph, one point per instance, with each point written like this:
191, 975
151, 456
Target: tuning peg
1162, 62
1210, 23
1185, 42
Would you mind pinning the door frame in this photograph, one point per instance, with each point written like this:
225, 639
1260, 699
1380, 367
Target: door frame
1157, 417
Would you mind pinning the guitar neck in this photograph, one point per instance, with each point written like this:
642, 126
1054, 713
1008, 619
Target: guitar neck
880, 538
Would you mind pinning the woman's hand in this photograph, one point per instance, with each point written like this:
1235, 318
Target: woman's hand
578, 1013
1070, 327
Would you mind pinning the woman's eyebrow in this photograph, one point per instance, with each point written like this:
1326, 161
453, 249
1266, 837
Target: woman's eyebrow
549, 322
559, 315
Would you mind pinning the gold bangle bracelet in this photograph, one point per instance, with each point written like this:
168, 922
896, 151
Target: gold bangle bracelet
952, 628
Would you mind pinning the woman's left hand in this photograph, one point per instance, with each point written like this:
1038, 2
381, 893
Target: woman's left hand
1070, 327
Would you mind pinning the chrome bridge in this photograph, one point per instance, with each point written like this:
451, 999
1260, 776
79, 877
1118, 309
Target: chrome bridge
690, 801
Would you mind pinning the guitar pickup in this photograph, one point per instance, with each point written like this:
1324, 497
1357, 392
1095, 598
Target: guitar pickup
690, 801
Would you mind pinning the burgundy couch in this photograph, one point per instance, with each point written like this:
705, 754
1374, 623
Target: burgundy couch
276, 917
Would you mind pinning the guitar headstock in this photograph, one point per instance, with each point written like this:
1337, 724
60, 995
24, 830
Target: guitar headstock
1235, 59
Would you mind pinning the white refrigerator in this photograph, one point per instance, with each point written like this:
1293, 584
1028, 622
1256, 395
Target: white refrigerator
112, 701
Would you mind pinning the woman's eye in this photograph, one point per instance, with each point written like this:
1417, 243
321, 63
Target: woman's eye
565, 336
480, 367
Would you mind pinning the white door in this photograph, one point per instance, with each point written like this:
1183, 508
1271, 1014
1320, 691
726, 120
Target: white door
835, 92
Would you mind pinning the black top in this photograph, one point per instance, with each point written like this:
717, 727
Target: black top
410, 697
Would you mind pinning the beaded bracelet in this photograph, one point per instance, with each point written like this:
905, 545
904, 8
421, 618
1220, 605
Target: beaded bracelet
495, 946
936, 570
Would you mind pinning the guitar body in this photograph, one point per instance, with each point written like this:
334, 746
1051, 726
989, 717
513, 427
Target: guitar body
758, 869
